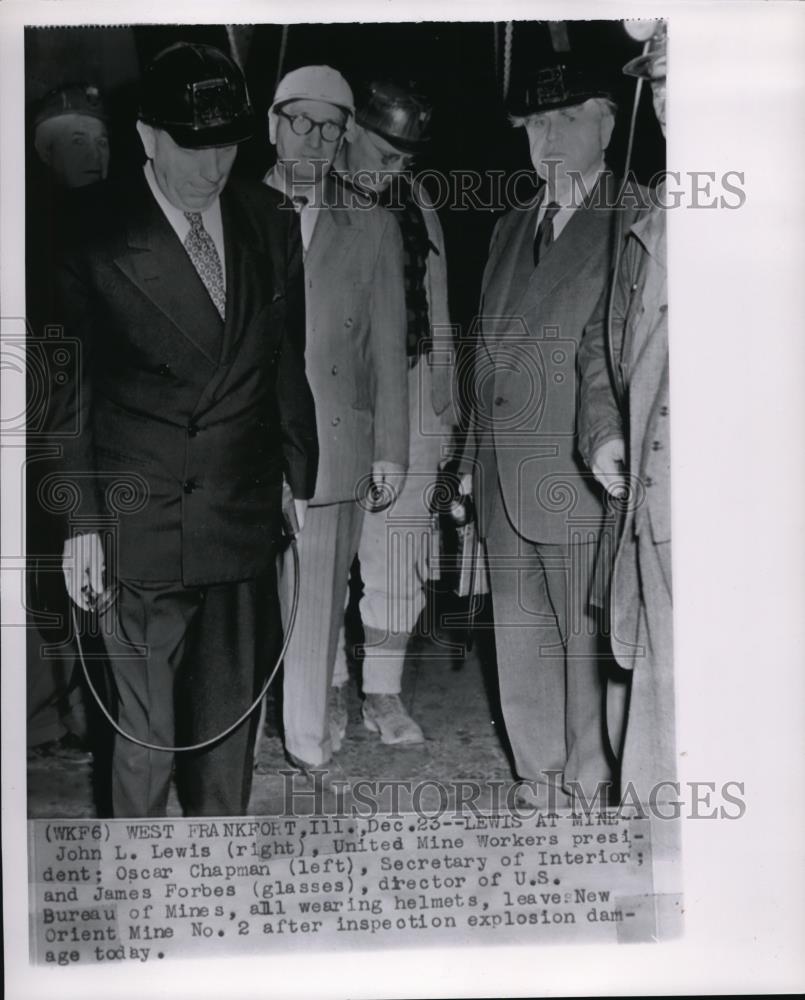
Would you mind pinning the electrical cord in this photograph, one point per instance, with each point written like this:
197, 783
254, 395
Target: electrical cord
619, 231
242, 718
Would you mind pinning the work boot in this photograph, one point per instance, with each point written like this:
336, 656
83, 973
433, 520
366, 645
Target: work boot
385, 714
337, 715
328, 775
70, 749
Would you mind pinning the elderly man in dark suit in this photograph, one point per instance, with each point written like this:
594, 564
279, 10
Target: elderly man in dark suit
193, 398
541, 511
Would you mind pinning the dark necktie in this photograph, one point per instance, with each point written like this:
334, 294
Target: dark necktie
201, 250
544, 237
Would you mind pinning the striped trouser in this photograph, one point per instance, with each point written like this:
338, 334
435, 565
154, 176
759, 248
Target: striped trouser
327, 546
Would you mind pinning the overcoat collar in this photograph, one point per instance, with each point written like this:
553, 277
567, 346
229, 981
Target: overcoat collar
338, 223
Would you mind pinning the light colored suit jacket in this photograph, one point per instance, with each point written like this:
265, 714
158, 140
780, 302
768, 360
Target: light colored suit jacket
355, 352
639, 350
523, 429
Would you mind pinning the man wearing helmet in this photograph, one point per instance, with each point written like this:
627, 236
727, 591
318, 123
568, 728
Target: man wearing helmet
541, 513
625, 398
356, 362
71, 142
392, 127
192, 405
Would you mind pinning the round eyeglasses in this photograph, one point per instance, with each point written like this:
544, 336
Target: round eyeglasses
302, 124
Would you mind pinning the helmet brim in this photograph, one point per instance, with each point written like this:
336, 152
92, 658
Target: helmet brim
403, 145
520, 107
188, 137
641, 66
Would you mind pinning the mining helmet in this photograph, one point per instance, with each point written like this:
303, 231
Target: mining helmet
71, 99
558, 84
651, 64
397, 115
198, 96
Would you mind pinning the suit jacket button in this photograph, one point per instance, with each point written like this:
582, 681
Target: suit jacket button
189, 485
655, 446
334, 369
335, 421
499, 400
192, 430
348, 322
663, 411
164, 369
648, 482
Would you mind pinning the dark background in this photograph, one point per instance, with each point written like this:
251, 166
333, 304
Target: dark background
459, 65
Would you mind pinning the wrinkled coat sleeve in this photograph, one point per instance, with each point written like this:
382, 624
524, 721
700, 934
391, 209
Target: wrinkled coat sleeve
387, 346
599, 418
467, 459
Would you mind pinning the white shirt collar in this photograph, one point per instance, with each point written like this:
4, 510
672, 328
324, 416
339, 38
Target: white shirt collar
570, 200
211, 217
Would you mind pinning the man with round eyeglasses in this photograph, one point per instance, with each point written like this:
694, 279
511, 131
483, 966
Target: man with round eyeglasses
357, 368
302, 124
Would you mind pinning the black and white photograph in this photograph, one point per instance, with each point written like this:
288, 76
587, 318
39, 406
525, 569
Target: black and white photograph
367, 529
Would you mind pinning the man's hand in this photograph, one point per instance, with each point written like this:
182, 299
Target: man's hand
300, 506
465, 485
388, 474
609, 467
292, 510
83, 566
387, 483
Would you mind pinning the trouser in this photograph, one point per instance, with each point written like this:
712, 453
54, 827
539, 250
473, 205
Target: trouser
186, 662
395, 552
550, 655
640, 701
55, 703
327, 546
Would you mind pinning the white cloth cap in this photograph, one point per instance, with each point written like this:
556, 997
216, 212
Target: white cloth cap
315, 83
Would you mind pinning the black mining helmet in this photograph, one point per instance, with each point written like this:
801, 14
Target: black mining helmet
198, 96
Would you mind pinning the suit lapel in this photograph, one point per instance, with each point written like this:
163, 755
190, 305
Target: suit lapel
246, 262
157, 263
512, 266
335, 229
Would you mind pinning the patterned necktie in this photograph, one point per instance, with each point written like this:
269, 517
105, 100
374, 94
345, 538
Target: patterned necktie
202, 252
544, 237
